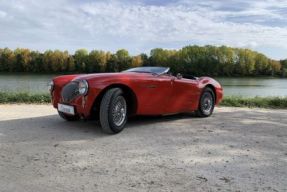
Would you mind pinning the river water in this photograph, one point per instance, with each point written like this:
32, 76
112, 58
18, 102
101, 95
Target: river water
247, 87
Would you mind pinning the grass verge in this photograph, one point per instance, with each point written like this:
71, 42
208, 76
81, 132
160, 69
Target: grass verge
10, 97
230, 101
260, 102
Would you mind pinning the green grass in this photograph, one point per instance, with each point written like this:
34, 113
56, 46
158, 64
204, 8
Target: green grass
10, 97
260, 102
230, 101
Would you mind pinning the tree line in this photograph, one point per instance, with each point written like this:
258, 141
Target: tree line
196, 60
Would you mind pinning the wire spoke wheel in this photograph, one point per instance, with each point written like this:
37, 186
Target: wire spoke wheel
119, 111
113, 111
207, 103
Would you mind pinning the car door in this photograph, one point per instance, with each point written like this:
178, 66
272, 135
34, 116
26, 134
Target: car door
184, 96
153, 94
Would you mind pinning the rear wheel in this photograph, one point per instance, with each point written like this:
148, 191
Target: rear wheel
206, 103
113, 111
69, 117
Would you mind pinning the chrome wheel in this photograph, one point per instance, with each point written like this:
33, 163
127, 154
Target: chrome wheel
207, 103
113, 111
119, 111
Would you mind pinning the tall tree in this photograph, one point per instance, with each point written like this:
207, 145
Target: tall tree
81, 59
23, 60
112, 63
71, 64
284, 67
97, 61
275, 67
145, 59
137, 61
7, 60
123, 60
47, 61
36, 64
261, 64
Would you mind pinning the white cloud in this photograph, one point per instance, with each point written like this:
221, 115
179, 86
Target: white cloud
110, 25
2, 14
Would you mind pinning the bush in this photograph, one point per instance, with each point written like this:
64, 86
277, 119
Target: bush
10, 97
261, 102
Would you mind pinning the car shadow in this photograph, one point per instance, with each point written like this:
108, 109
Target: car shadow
146, 120
54, 127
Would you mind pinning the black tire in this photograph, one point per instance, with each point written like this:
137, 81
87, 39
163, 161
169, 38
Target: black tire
206, 103
113, 111
69, 117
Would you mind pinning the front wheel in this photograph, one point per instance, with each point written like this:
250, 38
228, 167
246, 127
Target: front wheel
113, 111
206, 103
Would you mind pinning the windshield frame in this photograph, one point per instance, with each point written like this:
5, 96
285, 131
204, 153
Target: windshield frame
149, 69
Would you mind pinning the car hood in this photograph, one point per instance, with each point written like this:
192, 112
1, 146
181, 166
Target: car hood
109, 75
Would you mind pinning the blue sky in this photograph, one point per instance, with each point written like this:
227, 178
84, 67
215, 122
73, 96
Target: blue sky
140, 25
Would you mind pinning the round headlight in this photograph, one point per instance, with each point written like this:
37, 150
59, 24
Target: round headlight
51, 86
83, 87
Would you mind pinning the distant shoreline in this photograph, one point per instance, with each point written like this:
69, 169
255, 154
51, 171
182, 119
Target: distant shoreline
195, 60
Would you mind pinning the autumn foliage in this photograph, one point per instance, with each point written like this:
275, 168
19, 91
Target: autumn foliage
196, 60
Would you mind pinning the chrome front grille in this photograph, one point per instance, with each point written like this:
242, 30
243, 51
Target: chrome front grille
69, 92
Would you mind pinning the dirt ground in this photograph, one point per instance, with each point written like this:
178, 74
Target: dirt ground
236, 149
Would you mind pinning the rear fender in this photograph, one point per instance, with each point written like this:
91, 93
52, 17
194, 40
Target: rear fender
213, 84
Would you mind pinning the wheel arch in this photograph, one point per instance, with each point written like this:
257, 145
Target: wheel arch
213, 89
129, 95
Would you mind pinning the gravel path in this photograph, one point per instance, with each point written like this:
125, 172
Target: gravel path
236, 149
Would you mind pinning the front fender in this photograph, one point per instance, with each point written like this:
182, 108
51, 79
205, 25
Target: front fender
215, 85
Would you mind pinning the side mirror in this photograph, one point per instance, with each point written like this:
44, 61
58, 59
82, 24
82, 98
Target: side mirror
179, 76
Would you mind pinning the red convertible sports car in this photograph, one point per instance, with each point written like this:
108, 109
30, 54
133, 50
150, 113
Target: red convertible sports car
112, 97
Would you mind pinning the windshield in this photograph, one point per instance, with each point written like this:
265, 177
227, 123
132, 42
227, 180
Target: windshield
154, 70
